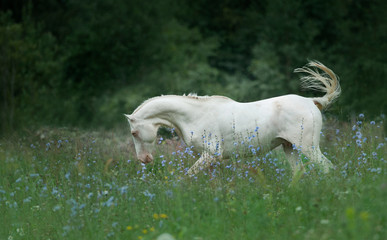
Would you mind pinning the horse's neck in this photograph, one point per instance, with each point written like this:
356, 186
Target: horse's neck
168, 110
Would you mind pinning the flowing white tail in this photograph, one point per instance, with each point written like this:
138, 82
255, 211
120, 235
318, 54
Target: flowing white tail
324, 82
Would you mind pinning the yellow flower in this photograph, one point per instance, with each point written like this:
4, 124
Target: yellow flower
139, 237
156, 216
129, 228
163, 215
350, 212
364, 215
144, 231
152, 229
166, 177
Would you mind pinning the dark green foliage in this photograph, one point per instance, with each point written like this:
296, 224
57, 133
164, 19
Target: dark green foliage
84, 63
30, 72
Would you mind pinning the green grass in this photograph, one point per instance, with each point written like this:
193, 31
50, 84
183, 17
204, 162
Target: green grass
71, 184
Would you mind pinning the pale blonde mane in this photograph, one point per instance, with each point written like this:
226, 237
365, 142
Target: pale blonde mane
192, 96
206, 97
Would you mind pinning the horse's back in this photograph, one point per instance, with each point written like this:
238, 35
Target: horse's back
267, 113
270, 115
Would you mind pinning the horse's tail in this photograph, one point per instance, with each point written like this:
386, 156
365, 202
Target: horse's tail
325, 81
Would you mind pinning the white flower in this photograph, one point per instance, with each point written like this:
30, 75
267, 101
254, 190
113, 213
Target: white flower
324, 221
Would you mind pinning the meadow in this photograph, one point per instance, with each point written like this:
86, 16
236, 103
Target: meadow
59, 183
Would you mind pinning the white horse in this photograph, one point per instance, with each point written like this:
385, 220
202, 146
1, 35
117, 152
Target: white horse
216, 125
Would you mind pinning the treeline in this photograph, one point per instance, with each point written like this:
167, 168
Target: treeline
84, 63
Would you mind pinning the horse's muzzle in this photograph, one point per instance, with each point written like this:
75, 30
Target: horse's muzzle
147, 159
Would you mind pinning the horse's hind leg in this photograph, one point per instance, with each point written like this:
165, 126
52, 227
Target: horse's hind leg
312, 153
293, 157
315, 156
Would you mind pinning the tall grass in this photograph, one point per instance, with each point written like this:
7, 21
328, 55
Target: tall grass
70, 184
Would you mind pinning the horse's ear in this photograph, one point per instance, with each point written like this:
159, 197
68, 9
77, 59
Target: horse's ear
129, 117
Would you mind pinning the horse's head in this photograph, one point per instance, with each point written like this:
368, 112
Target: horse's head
144, 135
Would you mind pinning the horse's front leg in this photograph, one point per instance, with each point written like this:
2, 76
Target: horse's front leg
203, 162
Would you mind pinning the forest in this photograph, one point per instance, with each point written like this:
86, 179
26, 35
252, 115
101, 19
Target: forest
85, 63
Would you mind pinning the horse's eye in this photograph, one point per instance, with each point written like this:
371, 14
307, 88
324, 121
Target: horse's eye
135, 133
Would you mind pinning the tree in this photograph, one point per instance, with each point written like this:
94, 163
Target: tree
27, 68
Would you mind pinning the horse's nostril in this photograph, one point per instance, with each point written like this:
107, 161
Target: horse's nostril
149, 158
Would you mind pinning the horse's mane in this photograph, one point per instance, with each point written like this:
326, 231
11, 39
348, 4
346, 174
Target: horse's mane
192, 96
206, 97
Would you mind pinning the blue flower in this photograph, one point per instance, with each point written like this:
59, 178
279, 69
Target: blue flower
67, 175
359, 135
56, 208
169, 193
123, 189
148, 194
89, 195
109, 202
